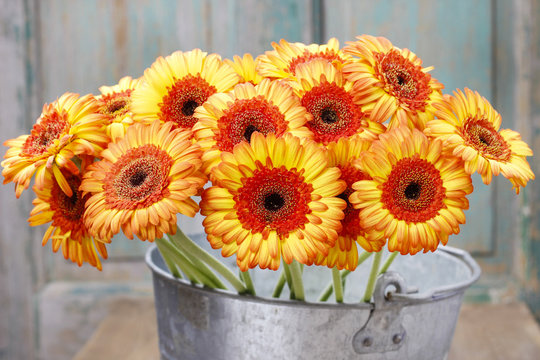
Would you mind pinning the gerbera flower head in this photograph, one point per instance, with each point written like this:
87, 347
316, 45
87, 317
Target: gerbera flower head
68, 127
417, 196
329, 99
391, 83
142, 182
273, 198
227, 119
470, 128
343, 154
65, 214
176, 85
246, 68
115, 104
281, 63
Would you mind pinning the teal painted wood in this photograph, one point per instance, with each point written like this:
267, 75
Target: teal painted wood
454, 37
21, 269
528, 101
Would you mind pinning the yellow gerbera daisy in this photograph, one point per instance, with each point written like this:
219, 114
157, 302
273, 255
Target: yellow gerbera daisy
246, 68
417, 195
281, 62
142, 182
273, 198
227, 119
176, 85
67, 127
344, 255
329, 98
65, 213
115, 104
469, 126
391, 82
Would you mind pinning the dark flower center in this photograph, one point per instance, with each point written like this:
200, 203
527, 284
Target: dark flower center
189, 107
273, 202
273, 198
413, 190
329, 116
246, 116
481, 135
137, 178
250, 129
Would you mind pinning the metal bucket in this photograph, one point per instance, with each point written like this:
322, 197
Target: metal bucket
401, 323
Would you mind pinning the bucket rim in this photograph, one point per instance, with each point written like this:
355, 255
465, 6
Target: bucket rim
437, 293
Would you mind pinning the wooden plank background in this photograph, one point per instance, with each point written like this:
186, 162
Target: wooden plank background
52, 46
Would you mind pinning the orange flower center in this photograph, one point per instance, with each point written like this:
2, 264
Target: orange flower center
116, 104
44, 133
182, 98
351, 222
273, 198
414, 190
329, 55
403, 79
68, 210
139, 178
246, 116
335, 115
481, 135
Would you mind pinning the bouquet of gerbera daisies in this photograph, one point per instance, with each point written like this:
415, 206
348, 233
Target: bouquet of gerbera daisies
314, 155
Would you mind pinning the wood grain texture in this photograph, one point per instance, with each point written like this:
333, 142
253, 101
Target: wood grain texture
130, 332
21, 269
496, 332
529, 251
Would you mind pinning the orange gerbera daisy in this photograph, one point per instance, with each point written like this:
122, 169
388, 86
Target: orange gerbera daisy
227, 119
281, 62
417, 195
469, 126
344, 255
176, 85
329, 98
273, 198
391, 82
142, 182
65, 213
115, 104
246, 68
67, 127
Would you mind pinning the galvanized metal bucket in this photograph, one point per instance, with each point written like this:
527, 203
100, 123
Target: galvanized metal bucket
401, 322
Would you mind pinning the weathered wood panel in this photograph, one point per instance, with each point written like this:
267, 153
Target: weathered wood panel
528, 103
452, 36
20, 248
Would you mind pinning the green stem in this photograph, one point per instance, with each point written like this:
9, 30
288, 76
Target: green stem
338, 289
280, 285
184, 264
166, 257
325, 295
288, 277
373, 276
389, 260
180, 239
244, 275
297, 283
199, 266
